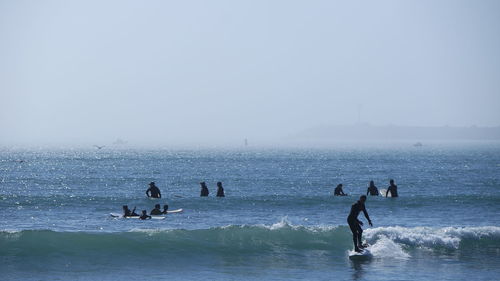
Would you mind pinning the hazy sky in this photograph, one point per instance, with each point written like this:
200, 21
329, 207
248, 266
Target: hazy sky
221, 71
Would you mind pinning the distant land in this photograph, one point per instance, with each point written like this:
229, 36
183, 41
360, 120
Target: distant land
392, 132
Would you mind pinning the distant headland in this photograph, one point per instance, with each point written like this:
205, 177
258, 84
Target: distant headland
393, 132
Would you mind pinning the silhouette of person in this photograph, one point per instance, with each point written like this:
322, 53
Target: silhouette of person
220, 190
127, 212
144, 215
153, 191
393, 189
338, 191
165, 209
372, 189
355, 224
156, 211
204, 189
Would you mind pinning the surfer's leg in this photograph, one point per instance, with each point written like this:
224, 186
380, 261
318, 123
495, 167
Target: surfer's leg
354, 231
358, 236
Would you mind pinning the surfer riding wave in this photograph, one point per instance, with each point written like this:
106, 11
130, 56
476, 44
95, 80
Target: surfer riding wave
356, 224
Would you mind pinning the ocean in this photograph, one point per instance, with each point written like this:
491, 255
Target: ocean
278, 221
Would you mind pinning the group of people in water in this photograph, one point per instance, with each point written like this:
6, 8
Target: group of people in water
354, 224
358, 207
154, 192
372, 190
157, 211
204, 190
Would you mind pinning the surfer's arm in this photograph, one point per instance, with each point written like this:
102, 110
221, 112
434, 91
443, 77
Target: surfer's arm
367, 217
387, 191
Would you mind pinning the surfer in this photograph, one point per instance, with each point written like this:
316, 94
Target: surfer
144, 215
127, 212
153, 191
356, 224
220, 190
372, 189
156, 211
338, 191
204, 189
165, 209
393, 189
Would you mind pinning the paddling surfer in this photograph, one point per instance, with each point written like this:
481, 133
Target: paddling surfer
144, 215
356, 224
153, 191
128, 213
156, 211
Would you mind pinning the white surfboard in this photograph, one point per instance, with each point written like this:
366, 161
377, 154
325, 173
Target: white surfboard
383, 192
365, 254
117, 215
175, 211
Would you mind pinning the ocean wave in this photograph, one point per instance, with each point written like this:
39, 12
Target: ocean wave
446, 237
281, 237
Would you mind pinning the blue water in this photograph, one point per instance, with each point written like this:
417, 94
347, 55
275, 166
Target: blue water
278, 221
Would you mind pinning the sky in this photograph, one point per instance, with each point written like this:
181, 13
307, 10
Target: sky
217, 72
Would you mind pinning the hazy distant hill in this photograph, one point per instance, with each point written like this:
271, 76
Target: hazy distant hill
369, 132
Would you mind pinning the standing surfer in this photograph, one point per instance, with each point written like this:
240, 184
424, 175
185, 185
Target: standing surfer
356, 224
153, 191
393, 189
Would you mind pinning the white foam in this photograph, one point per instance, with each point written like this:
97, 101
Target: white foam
386, 248
449, 237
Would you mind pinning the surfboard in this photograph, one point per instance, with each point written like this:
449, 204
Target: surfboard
116, 215
175, 211
365, 254
383, 191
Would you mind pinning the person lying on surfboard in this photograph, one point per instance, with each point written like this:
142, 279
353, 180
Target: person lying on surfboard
156, 211
128, 213
165, 209
153, 191
393, 189
356, 224
338, 191
144, 215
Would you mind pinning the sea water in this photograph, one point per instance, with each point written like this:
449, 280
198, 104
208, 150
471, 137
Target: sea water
278, 221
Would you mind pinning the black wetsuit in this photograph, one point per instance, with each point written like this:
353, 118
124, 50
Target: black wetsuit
129, 213
338, 191
220, 192
204, 191
355, 224
393, 189
156, 212
155, 192
145, 217
372, 190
